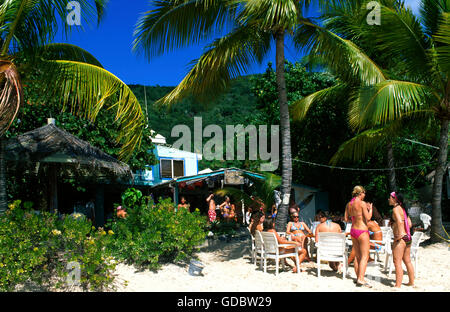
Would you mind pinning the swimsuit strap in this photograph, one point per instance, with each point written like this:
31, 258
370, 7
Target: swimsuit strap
406, 224
328, 222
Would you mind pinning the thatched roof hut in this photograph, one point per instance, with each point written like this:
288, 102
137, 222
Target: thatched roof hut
66, 155
50, 144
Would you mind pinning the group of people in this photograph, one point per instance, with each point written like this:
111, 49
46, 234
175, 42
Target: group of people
360, 214
363, 229
227, 209
298, 232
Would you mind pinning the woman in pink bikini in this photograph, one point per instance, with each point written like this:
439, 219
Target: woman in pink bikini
360, 213
401, 248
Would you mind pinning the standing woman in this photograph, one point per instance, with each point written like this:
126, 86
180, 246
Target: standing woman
360, 213
401, 248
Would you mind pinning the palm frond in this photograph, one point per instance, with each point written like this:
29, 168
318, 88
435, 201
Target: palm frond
341, 56
85, 89
64, 51
11, 96
272, 14
431, 13
443, 50
400, 36
363, 143
388, 101
30, 23
225, 59
177, 24
300, 108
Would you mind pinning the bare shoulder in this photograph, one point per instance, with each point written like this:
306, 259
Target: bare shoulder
337, 227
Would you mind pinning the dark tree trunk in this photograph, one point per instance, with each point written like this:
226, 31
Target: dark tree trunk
391, 166
3, 194
436, 221
53, 187
285, 133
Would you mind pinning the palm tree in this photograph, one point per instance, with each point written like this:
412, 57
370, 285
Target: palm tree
424, 89
27, 28
249, 27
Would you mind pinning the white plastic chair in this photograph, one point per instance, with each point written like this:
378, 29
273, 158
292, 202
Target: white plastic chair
426, 220
416, 239
331, 247
348, 227
253, 251
386, 237
272, 251
259, 248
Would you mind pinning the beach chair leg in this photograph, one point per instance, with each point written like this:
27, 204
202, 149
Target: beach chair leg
416, 267
318, 267
277, 264
297, 263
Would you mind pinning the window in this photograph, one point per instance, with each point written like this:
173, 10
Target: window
171, 168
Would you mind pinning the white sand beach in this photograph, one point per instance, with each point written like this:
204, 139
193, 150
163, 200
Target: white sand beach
228, 268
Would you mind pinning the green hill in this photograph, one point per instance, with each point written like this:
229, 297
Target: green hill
236, 106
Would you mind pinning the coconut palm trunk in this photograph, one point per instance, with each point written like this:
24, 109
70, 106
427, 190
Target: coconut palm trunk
436, 221
390, 161
3, 197
286, 161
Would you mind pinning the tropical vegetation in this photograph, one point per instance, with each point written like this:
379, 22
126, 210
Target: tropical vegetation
64, 71
379, 98
247, 30
153, 234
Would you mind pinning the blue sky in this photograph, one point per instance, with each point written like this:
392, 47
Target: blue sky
111, 44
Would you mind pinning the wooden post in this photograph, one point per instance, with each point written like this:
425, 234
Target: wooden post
175, 196
100, 206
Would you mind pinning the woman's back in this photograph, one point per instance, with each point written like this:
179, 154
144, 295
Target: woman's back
355, 212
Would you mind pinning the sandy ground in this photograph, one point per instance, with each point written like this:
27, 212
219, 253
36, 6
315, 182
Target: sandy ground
228, 268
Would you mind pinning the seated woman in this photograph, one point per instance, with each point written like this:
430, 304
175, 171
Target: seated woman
256, 223
295, 229
269, 227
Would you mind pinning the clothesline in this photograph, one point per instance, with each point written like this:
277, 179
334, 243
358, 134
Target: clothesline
362, 169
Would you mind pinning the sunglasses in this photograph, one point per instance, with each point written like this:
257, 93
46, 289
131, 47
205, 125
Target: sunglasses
295, 216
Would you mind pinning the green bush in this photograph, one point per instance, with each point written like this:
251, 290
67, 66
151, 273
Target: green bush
154, 234
37, 248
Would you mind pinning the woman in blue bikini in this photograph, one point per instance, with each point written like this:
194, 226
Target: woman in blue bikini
295, 229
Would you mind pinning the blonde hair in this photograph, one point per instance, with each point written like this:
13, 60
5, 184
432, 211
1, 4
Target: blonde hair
357, 190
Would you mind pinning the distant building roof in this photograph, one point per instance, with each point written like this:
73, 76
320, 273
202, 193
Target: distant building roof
158, 139
166, 151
